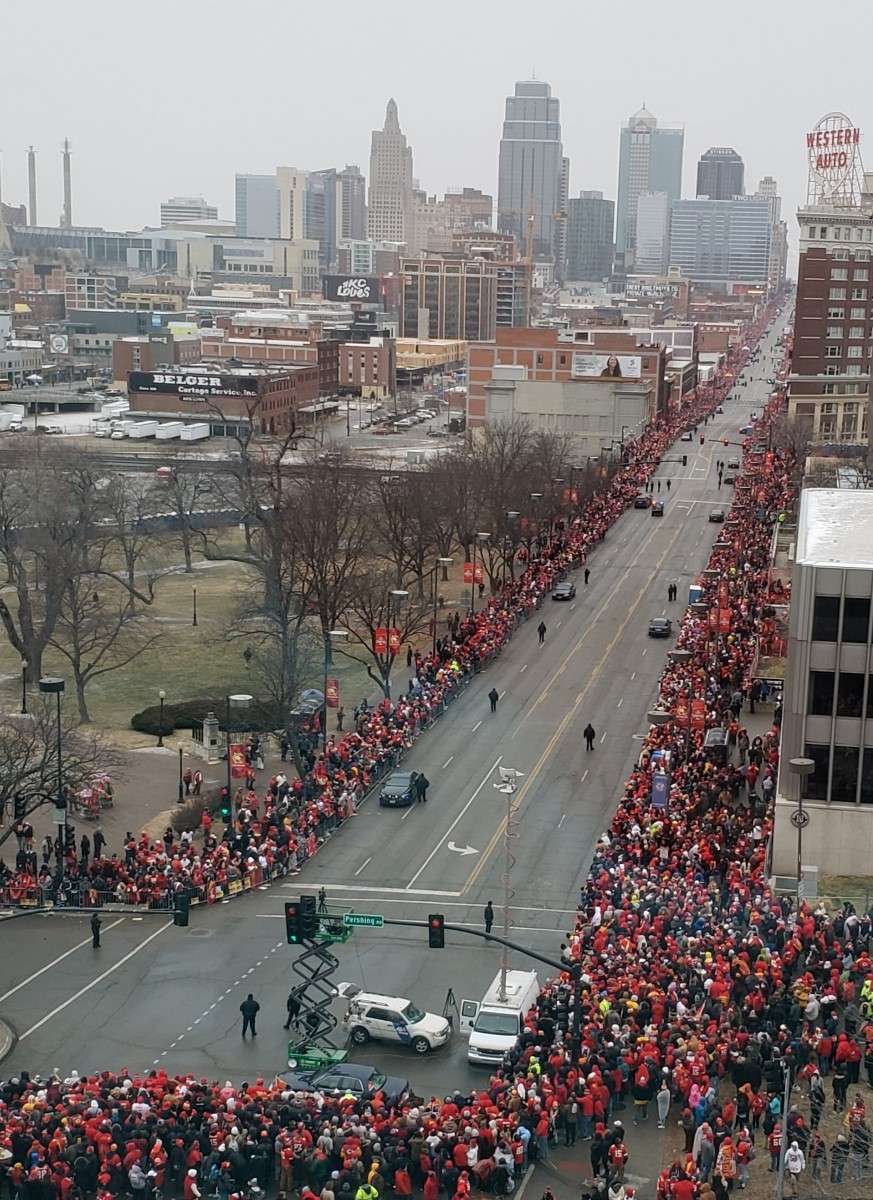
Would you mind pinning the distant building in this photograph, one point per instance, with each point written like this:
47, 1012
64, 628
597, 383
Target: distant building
590, 223
292, 185
186, 208
351, 203
389, 211
720, 174
722, 242
652, 255
448, 297
89, 290
650, 160
533, 175
257, 206
150, 352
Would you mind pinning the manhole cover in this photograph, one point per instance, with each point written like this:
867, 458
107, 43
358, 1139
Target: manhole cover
200, 932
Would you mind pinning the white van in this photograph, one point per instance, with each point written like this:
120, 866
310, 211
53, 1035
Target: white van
494, 1025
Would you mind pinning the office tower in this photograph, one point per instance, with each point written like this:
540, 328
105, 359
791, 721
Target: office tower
720, 174
180, 209
31, 185
351, 203
722, 241
320, 213
590, 222
292, 185
652, 234
650, 160
532, 171
257, 206
768, 190
67, 215
448, 296
389, 214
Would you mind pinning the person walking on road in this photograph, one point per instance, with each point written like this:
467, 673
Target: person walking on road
249, 1009
589, 734
95, 930
493, 697
422, 783
292, 1004
489, 916
541, 631
587, 573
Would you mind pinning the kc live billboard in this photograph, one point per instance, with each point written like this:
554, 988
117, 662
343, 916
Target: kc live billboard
197, 386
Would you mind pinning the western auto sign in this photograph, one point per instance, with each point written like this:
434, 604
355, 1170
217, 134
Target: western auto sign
362, 288
197, 385
832, 147
332, 693
833, 151
698, 714
380, 641
237, 760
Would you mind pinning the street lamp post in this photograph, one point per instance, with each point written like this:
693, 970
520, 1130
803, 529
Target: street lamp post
331, 636
535, 498
181, 799
238, 700
679, 657
194, 614
801, 769
511, 517
52, 685
442, 561
479, 540
162, 695
23, 686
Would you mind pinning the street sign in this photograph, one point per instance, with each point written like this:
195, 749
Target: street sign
372, 920
800, 818
59, 816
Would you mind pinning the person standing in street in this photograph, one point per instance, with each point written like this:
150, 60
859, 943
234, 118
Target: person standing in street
95, 930
541, 631
99, 842
292, 1004
589, 734
587, 573
422, 783
493, 697
488, 916
249, 1009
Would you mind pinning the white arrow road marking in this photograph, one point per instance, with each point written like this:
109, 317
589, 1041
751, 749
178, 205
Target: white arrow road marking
464, 850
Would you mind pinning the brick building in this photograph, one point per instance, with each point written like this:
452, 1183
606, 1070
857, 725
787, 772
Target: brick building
368, 369
151, 352
274, 338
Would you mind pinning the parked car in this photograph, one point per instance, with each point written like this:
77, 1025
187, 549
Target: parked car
360, 1080
658, 508
391, 1019
564, 591
397, 789
687, 436
660, 627
642, 501
733, 464
745, 430
716, 516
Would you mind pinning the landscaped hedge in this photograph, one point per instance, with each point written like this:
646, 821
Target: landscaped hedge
259, 716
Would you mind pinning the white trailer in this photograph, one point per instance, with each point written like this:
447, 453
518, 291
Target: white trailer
195, 432
169, 429
142, 429
114, 408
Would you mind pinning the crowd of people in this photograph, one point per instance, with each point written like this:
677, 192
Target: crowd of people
705, 997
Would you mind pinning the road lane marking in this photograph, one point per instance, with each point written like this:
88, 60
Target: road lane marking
454, 823
603, 737
448, 760
633, 676
645, 651
87, 988
359, 887
562, 820
585, 776
476, 726
366, 860
560, 623
85, 942
620, 703
522, 669
410, 809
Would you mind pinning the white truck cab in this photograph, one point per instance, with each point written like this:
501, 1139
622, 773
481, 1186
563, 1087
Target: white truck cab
391, 1019
495, 1022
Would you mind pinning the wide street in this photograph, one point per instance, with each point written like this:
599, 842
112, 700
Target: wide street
154, 994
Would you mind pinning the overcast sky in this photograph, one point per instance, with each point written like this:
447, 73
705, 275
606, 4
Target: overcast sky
165, 98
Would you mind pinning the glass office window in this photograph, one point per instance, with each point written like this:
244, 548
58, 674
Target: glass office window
850, 694
820, 700
867, 778
825, 618
856, 619
816, 784
844, 781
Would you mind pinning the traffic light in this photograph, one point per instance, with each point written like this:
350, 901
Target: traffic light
684, 460
19, 806
224, 807
436, 931
308, 918
292, 922
726, 441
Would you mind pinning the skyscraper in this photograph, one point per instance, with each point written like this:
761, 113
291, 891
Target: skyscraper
720, 174
590, 222
722, 241
389, 213
650, 160
351, 203
257, 206
652, 233
533, 175
292, 184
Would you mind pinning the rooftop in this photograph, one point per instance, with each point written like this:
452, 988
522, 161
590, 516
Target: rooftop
835, 528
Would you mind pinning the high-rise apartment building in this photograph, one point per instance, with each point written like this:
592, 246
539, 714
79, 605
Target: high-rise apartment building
533, 175
590, 223
650, 160
720, 174
448, 296
722, 242
257, 206
180, 209
652, 255
389, 213
292, 185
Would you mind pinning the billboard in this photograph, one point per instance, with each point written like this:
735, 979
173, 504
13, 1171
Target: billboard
363, 288
197, 386
616, 366
650, 289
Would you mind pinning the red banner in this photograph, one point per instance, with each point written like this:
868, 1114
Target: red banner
394, 640
713, 618
237, 753
698, 714
680, 709
723, 594
380, 640
468, 572
332, 693
724, 620
480, 573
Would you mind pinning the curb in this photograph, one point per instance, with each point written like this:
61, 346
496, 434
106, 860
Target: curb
7, 1039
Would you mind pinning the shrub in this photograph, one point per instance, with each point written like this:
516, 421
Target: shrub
188, 815
260, 716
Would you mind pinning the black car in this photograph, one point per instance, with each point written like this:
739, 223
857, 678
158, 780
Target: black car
660, 627
642, 501
397, 789
733, 464
729, 477
658, 508
716, 516
360, 1080
564, 591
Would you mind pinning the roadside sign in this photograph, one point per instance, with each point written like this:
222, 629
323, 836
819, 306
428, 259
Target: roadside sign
372, 920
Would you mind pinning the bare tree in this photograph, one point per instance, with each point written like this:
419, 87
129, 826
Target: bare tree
183, 494
370, 608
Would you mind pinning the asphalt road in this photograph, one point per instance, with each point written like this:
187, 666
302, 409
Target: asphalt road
155, 994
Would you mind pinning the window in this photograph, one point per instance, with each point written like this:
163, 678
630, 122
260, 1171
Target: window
853, 370
867, 778
825, 617
811, 232
839, 273
823, 232
833, 351
816, 785
857, 314
832, 369
860, 274
837, 294
837, 314
856, 331
827, 389
850, 693
835, 331
844, 781
820, 697
856, 619
855, 352
859, 293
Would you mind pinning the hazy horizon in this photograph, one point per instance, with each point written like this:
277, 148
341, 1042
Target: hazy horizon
173, 102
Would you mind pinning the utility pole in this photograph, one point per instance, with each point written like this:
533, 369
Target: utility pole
507, 785
783, 1145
